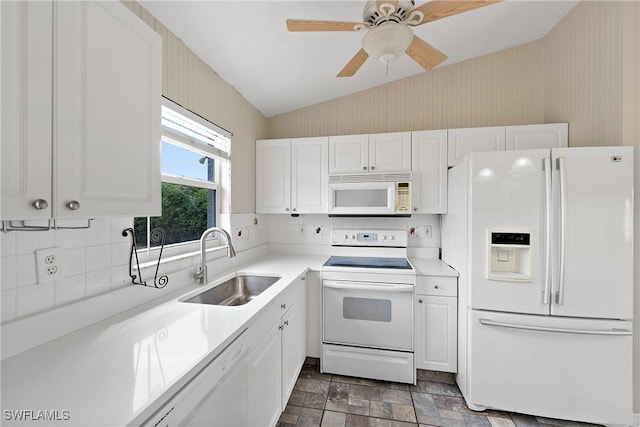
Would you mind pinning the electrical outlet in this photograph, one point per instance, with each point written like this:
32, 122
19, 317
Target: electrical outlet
48, 264
423, 232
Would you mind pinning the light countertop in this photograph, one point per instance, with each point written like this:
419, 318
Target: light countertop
119, 371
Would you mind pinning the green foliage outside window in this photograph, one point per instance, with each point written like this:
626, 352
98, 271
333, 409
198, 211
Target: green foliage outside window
184, 215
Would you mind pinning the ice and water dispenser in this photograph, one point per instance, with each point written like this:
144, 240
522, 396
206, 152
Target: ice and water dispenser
509, 256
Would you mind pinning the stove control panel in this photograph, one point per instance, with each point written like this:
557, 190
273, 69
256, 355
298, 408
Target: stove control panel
351, 237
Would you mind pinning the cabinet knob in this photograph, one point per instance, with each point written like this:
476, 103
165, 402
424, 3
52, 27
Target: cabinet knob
281, 327
73, 205
40, 204
420, 301
373, 167
283, 306
437, 287
303, 278
415, 209
286, 209
364, 168
294, 209
286, 322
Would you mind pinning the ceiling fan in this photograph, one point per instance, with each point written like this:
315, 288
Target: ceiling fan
388, 35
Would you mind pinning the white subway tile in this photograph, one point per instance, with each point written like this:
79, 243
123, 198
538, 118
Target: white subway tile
70, 289
120, 253
68, 239
8, 305
98, 257
74, 262
9, 276
28, 241
34, 298
98, 282
26, 268
99, 233
8, 244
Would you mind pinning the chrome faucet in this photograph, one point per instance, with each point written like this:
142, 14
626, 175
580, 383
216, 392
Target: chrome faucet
201, 275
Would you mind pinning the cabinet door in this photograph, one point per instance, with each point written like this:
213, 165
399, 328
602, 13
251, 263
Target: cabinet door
310, 175
474, 140
390, 152
429, 167
265, 380
348, 154
293, 347
531, 137
436, 333
273, 176
107, 86
26, 109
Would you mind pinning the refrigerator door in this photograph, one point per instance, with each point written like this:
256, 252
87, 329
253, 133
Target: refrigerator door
593, 261
573, 369
509, 192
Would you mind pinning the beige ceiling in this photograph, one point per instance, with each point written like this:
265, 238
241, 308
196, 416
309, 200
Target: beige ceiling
248, 45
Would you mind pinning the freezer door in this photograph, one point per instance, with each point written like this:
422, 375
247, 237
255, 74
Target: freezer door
593, 261
508, 194
573, 369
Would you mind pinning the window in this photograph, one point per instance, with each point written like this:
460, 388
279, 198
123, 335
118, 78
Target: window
193, 151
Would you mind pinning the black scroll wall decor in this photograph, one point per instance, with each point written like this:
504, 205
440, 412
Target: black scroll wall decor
157, 236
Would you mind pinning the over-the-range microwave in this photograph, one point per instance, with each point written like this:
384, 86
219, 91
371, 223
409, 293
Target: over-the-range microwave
370, 198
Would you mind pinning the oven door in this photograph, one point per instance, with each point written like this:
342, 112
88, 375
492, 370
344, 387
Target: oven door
367, 314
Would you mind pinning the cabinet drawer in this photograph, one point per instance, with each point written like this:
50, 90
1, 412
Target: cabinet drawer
437, 285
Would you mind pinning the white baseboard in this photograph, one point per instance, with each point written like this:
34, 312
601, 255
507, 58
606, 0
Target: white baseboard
636, 420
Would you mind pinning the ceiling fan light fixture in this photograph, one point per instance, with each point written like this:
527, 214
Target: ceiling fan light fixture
387, 42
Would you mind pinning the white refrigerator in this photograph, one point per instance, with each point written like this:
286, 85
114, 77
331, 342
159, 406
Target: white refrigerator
542, 240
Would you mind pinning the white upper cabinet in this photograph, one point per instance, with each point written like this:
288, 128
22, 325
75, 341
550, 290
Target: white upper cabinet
309, 175
291, 175
474, 140
348, 154
531, 137
26, 109
390, 152
273, 176
86, 138
429, 167
382, 152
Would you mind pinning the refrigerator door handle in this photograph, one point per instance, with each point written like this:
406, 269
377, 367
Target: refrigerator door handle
563, 228
546, 294
613, 331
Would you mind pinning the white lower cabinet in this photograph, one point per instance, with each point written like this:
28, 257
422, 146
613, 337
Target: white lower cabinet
278, 349
436, 311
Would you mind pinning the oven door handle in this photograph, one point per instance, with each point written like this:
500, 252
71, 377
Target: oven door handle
365, 286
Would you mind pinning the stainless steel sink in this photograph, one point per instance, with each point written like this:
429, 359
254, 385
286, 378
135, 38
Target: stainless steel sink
238, 290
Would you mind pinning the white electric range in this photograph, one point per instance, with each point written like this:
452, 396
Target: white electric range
367, 293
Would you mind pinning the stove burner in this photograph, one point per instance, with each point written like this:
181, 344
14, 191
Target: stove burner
368, 262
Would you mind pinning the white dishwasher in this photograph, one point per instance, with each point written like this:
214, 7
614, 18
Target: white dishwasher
216, 397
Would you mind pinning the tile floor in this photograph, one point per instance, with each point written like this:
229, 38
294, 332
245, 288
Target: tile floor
334, 400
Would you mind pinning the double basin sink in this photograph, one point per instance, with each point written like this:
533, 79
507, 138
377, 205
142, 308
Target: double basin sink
238, 290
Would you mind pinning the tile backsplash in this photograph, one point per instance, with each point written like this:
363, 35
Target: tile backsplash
92, 261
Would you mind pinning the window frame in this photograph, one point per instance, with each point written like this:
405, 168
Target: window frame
201, 148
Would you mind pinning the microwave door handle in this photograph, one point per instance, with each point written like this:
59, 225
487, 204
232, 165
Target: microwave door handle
366, 286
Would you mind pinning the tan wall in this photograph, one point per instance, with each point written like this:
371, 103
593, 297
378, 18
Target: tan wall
586, 72
497, 89
188, 81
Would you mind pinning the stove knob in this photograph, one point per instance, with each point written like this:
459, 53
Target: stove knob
392, 237
384, 237
353, 236
346, 237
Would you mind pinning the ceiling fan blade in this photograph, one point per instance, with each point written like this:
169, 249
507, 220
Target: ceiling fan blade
438, 9
354, 64
424, 54
310, 25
